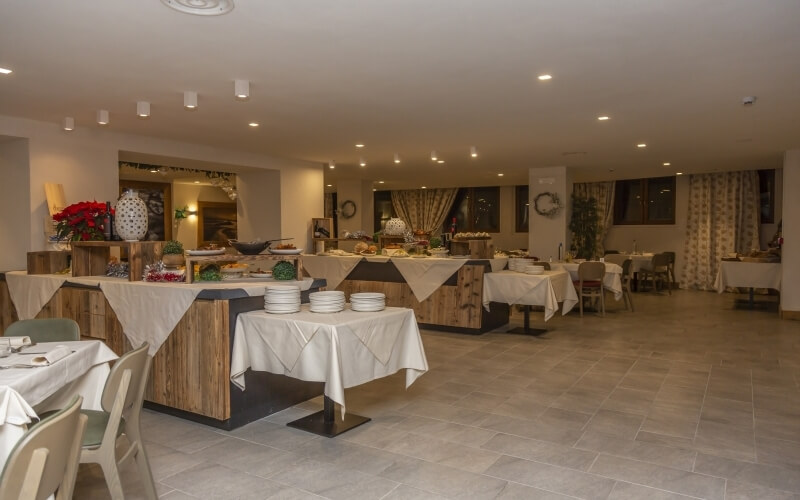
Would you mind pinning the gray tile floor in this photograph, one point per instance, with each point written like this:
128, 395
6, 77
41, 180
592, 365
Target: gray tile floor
685, 398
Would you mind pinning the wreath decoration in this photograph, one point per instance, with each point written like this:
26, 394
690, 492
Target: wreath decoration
547, 204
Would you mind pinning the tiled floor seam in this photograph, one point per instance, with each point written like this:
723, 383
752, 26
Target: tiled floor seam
702, 405
535, 487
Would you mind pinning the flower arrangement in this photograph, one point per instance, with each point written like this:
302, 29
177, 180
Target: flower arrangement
81, 221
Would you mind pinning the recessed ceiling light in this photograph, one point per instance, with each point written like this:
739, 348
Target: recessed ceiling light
329, 185
5, 71
667, 164
197, 182
499, 175
439, 161
396, 158
473, 151
331, 164
102, 117
143, 109
380, 182
253, 124
424, 187
434, 156
602, 118
642, 145
545, 77
241, 89
362, 162
69, 124
359, 145
190, 99
678, 173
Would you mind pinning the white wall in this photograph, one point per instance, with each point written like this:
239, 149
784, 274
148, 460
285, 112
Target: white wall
547, 232
15, 196
259, 205
85, 162
790, 254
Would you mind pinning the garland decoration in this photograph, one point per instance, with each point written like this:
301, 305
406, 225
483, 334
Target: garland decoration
547, 204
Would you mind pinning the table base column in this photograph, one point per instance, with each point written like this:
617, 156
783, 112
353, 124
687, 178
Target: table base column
526, 329
325, 423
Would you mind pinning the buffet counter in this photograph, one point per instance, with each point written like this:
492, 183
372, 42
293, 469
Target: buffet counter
445, 293
191, 329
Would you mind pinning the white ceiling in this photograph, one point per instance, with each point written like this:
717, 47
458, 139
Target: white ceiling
411, 76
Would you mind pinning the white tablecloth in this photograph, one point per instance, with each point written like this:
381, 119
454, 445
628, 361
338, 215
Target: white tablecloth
639, 260
23, 390
343, 350
334, 269
748, 274
547, 290
425, 276
30, 293
612, 280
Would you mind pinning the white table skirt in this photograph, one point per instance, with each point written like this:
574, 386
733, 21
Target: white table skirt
343, 349
612, 280
639, 260
748, 274
26, 391
547, 290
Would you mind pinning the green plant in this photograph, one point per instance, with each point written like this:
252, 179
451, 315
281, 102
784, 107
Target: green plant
284, 271
435, 242
584, 227
209, 272
173, 247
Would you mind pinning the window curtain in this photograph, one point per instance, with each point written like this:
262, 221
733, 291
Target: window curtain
423, 209
723, 217
603, 192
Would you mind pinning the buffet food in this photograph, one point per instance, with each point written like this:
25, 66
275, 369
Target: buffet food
482, 235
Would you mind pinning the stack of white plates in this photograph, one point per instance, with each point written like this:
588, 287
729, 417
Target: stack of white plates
534, 269
282, 299
326, 302
517, 264
367, 302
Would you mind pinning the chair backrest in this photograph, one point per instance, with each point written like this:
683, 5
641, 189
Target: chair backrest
670, 257
45, 329
591, 271
626, 268
615, 258
659, 262
138, 363
46, 458
611, 252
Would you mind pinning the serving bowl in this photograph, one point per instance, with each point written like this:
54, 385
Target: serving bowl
249, 247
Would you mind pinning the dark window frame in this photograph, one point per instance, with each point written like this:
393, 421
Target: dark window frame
766, 191
470, 194
619, 205
521, 200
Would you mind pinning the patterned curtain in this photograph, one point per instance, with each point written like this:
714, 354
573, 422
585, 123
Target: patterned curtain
723, 218
423, 209
603, 192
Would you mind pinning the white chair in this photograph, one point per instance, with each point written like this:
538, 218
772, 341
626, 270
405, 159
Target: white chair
657, 272
44, 461
627, 278
590, 283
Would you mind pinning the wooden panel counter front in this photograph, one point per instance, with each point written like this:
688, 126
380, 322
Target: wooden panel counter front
190, 375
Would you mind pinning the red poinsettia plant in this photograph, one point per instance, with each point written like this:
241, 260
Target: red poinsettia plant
81, 221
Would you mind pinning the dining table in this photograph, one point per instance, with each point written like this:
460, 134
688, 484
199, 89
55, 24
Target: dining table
28, 389
750, 275
547, 289
343, 349
612, 281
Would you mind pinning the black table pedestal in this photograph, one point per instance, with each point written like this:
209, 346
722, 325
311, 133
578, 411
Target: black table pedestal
325, 423
526, 329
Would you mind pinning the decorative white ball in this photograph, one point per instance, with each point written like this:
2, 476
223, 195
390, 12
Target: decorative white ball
394, 227
130, 217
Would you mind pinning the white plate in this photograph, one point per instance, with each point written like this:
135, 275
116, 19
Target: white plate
198, 253
261, 275
459, 256
368, 254
285, 251
368, 295
367, 309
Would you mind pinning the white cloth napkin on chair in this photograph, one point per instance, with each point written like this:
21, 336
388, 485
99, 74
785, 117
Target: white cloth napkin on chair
15, 341
60, 352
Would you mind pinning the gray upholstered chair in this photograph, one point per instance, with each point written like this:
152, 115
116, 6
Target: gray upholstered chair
45, 460
45, 329
657, 272
615, 258
590, 283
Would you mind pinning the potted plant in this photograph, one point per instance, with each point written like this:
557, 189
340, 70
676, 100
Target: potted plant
81, 221
172, 254
584, 227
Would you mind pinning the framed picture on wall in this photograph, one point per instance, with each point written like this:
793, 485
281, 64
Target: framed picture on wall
216, 222
158, 198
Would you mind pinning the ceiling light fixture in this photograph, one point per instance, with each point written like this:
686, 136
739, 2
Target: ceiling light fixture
201, 7
143, 109
241, 89
253, 124
69, 124
190, 99
678, 173
424, 187
473, 151
396, 158
380, 182
102, 117
667, 164
642, 145
434, 157
500, 175
602, 118
359, 145
331, 164
5, 71
329, 185
362, 162
439, 161
545, 77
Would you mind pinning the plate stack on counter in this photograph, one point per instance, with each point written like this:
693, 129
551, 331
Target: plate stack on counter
367, 302
326, 302
282, 299
534, 269
517, 264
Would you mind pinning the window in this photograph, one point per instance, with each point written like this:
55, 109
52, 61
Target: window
645, 201
383, 208
522, 208
766, 189
476, 209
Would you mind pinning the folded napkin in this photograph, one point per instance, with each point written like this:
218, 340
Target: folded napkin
15, 341
60, 352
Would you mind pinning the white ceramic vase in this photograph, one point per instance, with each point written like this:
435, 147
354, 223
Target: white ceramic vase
130, 217
394, 227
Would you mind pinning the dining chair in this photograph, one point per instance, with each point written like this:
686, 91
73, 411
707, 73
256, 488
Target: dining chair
615, 258
45, 329
610, 252
590, 283
657, 272
627, 278
671, 267
44, 462
121, 415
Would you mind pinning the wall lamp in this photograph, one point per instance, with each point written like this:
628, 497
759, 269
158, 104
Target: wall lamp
184, 213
